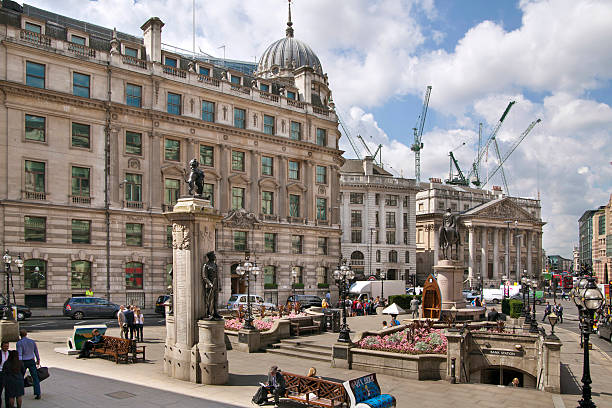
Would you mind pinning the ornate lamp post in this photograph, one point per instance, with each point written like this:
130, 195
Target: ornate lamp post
582, 283
246, 269
591, 299
534, 322
525, 289
8, 259
383, 276
294, 275
343, 275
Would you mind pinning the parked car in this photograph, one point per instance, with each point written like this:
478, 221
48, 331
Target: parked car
305, 301
241, 299
160, 306
518, 296
470, 295
87, 306
604, 328
23, 312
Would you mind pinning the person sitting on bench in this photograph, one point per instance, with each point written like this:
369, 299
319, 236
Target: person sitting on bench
89, 344
276, 384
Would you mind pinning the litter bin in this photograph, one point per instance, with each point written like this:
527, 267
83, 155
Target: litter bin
332, 320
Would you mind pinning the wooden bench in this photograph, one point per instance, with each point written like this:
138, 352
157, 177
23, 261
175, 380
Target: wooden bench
306, 323
120, 349
315, 391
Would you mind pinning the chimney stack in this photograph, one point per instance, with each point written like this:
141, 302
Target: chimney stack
151, 31
368, 164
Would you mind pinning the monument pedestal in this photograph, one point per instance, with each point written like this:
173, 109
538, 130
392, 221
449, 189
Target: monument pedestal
9, 330
212, 355
450, 281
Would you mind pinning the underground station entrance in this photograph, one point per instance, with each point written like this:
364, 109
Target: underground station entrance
500, 375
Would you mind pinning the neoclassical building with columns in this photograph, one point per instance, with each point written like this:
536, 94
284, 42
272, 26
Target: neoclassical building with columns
97, 128
501, 237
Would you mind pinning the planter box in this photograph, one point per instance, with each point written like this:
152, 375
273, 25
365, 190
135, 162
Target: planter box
252, 341
412, 366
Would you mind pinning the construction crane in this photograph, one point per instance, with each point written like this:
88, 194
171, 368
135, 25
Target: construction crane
456, 179
373, 155
348, 136
502, 160
418, 134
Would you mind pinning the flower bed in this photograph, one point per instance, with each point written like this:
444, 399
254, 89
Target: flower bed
260, 324
412, 340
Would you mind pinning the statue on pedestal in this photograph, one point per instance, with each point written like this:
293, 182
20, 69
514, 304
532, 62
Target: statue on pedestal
196, 179
210, 278
449, 235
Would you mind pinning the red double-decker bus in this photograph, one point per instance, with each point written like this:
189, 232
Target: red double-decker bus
563, 281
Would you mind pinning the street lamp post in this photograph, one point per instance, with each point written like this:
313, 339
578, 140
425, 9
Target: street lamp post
343, 275
246, 269
524, 311
480, 286
383, 276
8, 259
534, 321
294, 274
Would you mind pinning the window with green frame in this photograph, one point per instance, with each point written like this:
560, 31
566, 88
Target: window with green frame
237, 161
296, 131
81, 232
80, 181
35, 74
35, 274
321, 173
34, 176
133, 234
133, 275
77, 39
294, 170
268, 126
237, 198
80, 84
171, 191
321, 137
172, 150
269, 273
294, 205
80, 135
296, 244
169, 236
239, 118
35, 28
269, 242
133, 143
322, 246
209, 193
133, 187
35, 128
322, 209
240, 240
267, 204
133, 95
267, 168
208, 111
35, 229
80, 275
207, 155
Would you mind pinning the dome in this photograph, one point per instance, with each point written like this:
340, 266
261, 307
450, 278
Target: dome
289, 53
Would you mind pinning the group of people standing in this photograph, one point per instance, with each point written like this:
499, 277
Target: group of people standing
13, 366
557, 308
131, 320
363, 307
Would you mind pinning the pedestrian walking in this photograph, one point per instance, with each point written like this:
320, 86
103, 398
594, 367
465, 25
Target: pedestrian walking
4, 355
121, 322
12, 377
559, 312
547, 310
28, 354
138, 324
129, 321
328, 297
414, 307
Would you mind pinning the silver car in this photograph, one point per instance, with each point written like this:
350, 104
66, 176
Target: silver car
241, 299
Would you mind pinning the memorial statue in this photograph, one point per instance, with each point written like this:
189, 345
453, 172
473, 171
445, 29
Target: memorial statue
210, 277
449, 235
196, 179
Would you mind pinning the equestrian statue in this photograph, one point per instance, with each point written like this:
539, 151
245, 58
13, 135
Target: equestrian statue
449, 235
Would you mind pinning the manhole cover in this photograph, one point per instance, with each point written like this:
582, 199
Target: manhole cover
121, 395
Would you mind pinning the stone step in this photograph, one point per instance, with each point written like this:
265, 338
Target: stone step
306, 343
304, 350
299, 353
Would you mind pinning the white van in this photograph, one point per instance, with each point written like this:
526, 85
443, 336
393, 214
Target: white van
492, 295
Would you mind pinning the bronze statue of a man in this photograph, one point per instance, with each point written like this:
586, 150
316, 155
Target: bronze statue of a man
196, 179
449, 235
210, 277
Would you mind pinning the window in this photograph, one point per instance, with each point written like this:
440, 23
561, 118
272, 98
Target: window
35, 274
208, 111
133, 143
393, 256
421, 207
133, 234
81, 232
80, 274
466, 207
77, 39
237, 161
171, 62
267, 168
174, 103
239, 118
322, 246
133, 187
453, 206
240, 240
80, 84
269, 242
209, 192
80, 181
264, 87
407, 257
322, 209
35, 74
34, 176
269, 273
294, 170
268, 125
601, 224
291, 95
296, 131
440, 205
133, 95
321, 272
390, 237
298, 279
405, 220
405, 237
80, 136
377, 199
172, 150
321, 137
35, 229
391, 200
378, 255
131, 52
390, 220
321, 174
169, 236
406, 201
133, 275
377, 219
296, 244
356, 198
235, 79
35, 28
356, 218
205, 71
35, 128
171, 191
207, 155
356, 236
237, 198
267, 206
294, 205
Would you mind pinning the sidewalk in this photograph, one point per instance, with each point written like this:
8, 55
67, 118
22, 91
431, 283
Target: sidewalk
99, 382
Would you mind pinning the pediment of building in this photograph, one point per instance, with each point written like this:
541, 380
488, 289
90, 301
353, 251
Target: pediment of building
503, 209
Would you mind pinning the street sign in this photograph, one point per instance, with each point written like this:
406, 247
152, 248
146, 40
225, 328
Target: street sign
372, 278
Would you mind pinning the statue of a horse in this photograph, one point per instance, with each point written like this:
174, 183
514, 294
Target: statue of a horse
448, 238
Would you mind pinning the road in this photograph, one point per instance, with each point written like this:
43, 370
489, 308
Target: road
59, 323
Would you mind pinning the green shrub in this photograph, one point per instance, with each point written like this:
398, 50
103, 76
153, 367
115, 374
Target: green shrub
516, 306
402, 301
270, 285
323, 285
298, 286
506, 306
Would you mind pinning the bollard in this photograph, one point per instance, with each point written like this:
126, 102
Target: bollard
453, 378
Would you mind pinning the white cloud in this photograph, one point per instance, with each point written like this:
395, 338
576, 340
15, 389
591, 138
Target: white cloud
583, 170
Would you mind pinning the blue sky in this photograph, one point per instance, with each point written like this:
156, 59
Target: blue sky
553, 57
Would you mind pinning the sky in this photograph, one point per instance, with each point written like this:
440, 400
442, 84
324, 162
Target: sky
553, 57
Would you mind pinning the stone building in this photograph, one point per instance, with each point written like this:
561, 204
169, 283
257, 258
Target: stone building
96, 128
602, 242
500, 235
378, 220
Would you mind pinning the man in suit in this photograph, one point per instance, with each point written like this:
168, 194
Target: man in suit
4, 353
129, 319
276, 384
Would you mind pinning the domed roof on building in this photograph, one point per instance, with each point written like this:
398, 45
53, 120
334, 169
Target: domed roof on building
289, 53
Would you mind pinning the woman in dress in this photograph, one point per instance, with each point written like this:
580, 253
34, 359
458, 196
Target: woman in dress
13, 372
138, 324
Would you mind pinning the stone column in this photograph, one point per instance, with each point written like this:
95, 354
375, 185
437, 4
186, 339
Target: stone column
496, 254
484, 241
190, 150
529, 254
155, 181
507, 255
471, 253
518, 255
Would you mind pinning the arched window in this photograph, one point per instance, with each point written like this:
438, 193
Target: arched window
133, 275
297, 278
35, 274
322, 277
357, 256
269, 273
392, 256
81, 274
